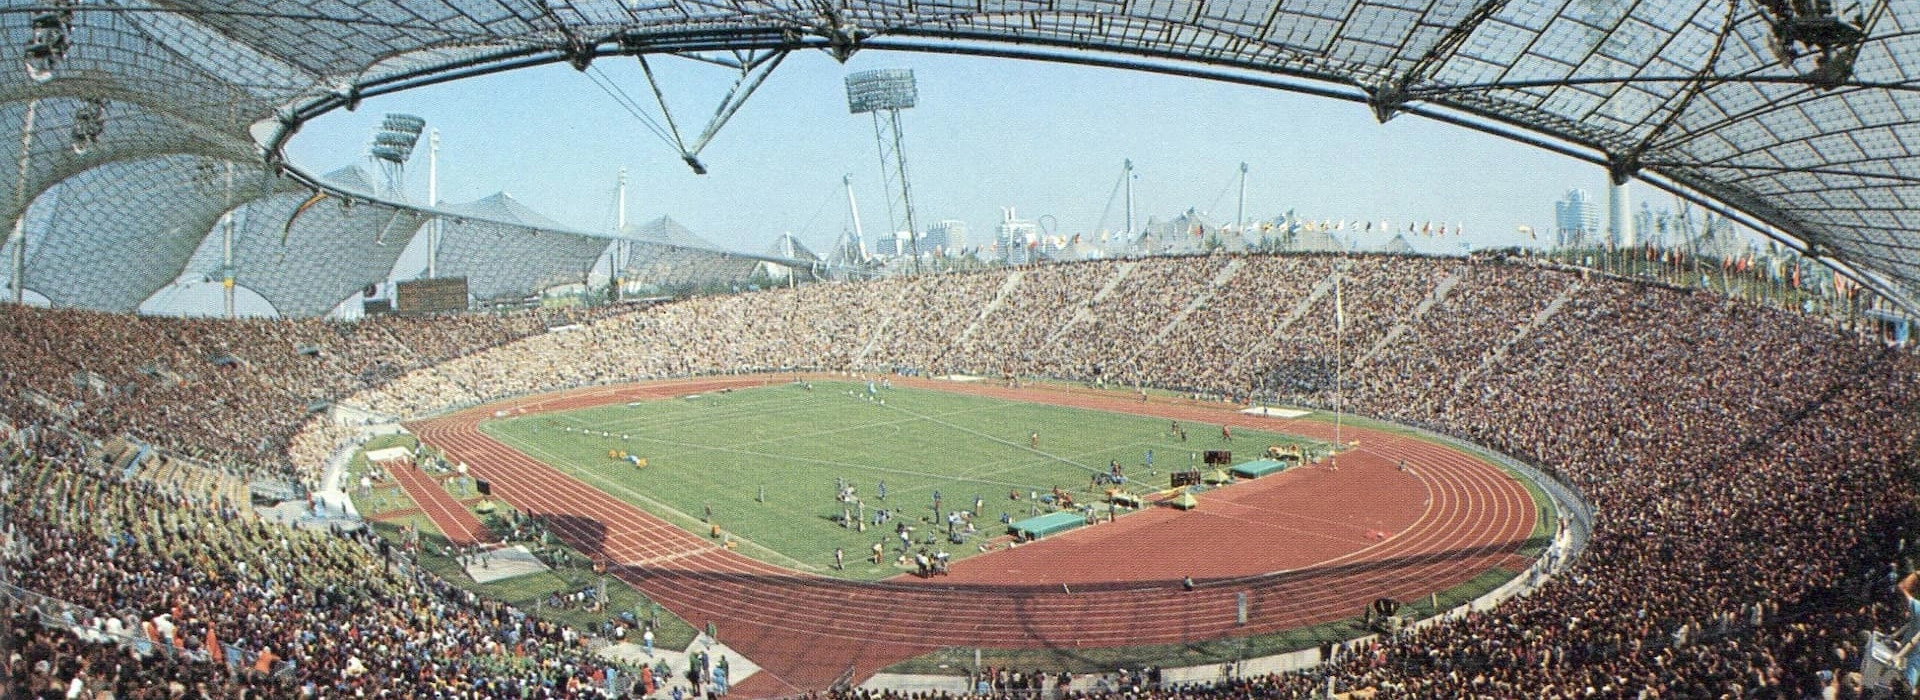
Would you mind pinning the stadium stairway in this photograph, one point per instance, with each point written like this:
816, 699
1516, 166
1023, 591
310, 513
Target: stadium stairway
1220, 279
999, 298
1499, 354
1435, 298
1300, 308
1086, 310
880, 331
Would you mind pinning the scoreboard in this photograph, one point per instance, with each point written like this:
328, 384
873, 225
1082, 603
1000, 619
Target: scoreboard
430, 296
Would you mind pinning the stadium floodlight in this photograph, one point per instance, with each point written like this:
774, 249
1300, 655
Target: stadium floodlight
89, 123
397, 136
880, 90
47, 42
1832, 33
392, 145
886, 92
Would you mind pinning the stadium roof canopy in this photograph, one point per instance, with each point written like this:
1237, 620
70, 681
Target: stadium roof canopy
139, 113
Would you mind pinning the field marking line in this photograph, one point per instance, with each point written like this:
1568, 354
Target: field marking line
623, 488
697, 448
991, 438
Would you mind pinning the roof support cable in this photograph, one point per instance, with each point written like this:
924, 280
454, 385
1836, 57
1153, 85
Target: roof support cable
627, 102
1622, 167
1386, 99
672, 128
754, 69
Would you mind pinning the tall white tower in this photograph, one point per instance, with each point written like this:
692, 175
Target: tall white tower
1619, 217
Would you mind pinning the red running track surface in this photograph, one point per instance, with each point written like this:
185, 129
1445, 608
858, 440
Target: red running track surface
1288, 542
453, 519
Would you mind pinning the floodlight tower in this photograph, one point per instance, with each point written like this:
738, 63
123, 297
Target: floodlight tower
883, 93
392, 146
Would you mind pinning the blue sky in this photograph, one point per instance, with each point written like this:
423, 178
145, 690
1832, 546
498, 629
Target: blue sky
1047, 139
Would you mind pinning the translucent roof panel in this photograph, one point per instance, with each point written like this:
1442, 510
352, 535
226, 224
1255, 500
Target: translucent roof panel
666, 269
130, 132
113, 235
513, 252
169, 63
331, 252
305, 256
1693, 93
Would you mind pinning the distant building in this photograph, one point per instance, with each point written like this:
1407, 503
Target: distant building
1576, 220
947, 235
1650, 226
1016, 238
900, 243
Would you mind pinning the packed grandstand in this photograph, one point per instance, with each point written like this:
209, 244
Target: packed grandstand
1750, 468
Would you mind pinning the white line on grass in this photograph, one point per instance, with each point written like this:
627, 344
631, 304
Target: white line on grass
612, 485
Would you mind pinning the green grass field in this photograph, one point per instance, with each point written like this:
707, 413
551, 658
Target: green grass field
766, 461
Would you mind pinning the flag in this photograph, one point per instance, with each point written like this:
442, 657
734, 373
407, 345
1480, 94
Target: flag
1339, 308
214, 650
297, 211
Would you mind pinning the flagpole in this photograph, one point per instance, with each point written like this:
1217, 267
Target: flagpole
1339, 361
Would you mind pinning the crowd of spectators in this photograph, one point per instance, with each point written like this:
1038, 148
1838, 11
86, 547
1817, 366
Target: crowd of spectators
229, 392
158, 590
1750, 467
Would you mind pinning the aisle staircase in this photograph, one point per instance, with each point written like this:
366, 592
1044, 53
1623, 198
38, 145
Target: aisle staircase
1085, 312
1434, 298
1220, 279
886, 321
1299, 310
1006, 290
1499, 354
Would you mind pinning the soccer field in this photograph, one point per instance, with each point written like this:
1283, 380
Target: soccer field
767, 462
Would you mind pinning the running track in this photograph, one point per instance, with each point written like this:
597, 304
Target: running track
806, 630
453, 519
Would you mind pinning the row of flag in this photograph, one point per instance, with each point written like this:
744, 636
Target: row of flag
1327, 225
